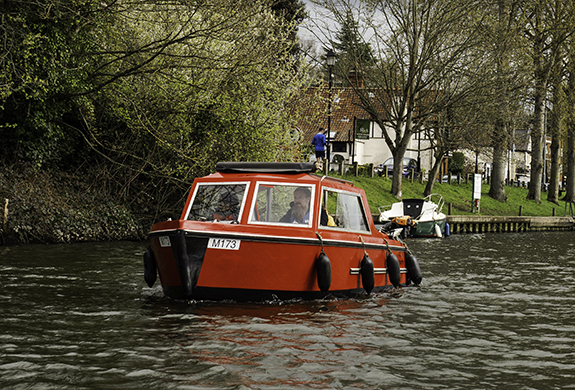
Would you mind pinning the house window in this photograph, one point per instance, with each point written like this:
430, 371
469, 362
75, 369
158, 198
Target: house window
362, 127
340, 147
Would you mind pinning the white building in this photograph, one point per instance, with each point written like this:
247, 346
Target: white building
353, 136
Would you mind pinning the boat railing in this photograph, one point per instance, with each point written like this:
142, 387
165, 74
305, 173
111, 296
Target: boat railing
383, 209
398, 208
436, 199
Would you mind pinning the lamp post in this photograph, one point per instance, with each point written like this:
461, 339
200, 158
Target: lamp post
330, 63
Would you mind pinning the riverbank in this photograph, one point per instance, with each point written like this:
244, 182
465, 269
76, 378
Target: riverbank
460, 197
507, 224
42, 207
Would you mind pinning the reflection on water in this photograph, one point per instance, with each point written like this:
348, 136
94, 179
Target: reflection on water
493, 311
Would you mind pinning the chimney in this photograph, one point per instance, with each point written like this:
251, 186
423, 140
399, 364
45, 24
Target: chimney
355, 79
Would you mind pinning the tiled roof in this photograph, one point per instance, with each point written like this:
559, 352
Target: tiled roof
313, 108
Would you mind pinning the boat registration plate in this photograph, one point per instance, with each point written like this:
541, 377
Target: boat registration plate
224, 243
165, 241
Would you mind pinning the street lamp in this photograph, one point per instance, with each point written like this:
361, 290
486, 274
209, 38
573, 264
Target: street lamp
330, 56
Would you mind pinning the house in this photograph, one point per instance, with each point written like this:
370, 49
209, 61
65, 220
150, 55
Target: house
353, 136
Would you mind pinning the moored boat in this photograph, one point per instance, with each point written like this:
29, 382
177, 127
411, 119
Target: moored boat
415, 217
265, 231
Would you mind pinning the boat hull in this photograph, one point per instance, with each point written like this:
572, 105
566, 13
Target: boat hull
267, 231
417, 217
427, 228
264, 267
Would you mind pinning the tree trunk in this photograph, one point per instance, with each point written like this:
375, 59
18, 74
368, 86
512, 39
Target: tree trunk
497, 188
537, 145
499, 137
402, 141
397, 174
541, 74
570, 187
553, 190
570, 157
433, 173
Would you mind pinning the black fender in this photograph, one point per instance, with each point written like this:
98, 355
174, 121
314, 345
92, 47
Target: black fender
323, 270
150, 267
413, 270
180, 251
367, 275
392, 267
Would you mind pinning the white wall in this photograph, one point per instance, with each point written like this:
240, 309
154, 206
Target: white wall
375, 150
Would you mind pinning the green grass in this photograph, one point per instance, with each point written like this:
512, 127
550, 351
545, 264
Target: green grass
378, 191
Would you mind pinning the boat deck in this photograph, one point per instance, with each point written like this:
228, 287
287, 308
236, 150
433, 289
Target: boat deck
461, 224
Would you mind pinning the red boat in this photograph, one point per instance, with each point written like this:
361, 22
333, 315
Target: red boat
266, 231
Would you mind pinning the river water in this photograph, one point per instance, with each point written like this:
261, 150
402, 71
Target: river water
494, 311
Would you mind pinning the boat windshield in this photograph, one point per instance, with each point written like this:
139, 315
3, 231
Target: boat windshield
279, 203
217, 202
344, 210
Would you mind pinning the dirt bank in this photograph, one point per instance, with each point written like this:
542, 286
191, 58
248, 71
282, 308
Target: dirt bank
41, 207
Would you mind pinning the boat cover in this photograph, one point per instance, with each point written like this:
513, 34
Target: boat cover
266, 167
413, 207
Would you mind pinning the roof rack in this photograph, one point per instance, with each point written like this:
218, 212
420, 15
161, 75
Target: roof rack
266, 167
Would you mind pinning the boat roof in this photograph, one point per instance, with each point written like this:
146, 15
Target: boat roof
281, 171
266, 167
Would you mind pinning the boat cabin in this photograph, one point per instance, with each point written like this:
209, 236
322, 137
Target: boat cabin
259, 231
277, 203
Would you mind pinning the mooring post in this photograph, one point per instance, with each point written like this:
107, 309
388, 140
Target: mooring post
5, 220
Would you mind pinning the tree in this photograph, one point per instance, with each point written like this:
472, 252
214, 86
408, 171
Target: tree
547, 27
462, 125
293, 12
43, 60
216, 94
351, 49
570, 120
560, 112
422, 51
556, 129
150, 94
502, 36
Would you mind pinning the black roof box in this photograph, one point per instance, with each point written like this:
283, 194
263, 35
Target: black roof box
266, 167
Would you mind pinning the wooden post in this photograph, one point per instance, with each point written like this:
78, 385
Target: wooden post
370, 174
5, 220
449, 208
520, 210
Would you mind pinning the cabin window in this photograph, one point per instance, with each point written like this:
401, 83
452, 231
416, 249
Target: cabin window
344, 211
282, 204
222, 202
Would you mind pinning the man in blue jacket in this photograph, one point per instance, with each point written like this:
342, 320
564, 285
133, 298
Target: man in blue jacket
319, 143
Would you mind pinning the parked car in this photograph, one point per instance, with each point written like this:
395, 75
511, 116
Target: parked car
387, 166
445, 178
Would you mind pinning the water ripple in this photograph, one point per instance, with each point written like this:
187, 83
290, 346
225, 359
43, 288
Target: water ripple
493, 311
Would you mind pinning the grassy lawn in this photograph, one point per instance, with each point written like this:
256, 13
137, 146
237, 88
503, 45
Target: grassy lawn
459, 195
